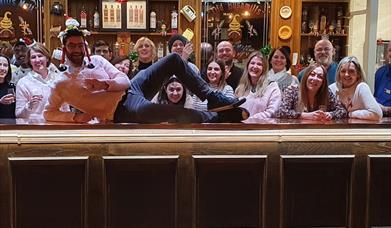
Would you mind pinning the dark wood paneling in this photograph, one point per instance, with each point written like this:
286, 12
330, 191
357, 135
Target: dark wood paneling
380, 189
49, 192
229, 191
316, 191
141, 191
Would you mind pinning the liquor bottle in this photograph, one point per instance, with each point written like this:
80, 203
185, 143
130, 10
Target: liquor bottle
167, 50
174, 21
106, 14
118, 14
83, 17
91, 20
152, 21
160, 50
323, 21
96, 18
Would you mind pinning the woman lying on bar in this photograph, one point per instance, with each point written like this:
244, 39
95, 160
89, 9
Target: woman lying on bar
351, 89
313, 101
173, 92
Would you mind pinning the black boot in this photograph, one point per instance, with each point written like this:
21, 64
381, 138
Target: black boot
218, 102
233, 115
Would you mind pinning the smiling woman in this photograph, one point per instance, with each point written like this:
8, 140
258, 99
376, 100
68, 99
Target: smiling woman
32, 91
262, 96
7, 95
313, 101
355, 94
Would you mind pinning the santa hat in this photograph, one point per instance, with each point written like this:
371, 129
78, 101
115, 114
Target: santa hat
72, 29
26, 41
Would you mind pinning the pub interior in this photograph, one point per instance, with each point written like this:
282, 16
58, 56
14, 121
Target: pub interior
275, 161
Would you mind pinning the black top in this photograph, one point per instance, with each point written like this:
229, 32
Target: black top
6, 111
234, 78
142, 66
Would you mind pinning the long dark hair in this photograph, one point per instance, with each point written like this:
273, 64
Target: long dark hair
321, 97
8, 77
162, 96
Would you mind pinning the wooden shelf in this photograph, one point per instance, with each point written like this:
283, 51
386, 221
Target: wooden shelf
326, 1
335, 35
132, 33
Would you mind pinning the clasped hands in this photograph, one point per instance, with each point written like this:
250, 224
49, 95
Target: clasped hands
317, 115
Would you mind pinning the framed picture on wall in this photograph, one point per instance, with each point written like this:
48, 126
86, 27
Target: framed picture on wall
136, 15
111, 15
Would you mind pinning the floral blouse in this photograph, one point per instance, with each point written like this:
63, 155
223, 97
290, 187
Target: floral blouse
290, 99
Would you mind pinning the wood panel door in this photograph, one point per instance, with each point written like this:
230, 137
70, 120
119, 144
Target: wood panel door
316, 190
229, 190
141, 191
379, 183
49, 192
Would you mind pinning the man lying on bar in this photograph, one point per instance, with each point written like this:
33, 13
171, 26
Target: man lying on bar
98, 89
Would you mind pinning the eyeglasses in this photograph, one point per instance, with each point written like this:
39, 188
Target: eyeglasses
326, 49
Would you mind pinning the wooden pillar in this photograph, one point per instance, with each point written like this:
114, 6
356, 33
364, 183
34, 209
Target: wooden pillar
294, 22
195, 25
51, 20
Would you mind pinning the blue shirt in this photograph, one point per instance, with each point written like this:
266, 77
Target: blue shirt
383, 85
330, 73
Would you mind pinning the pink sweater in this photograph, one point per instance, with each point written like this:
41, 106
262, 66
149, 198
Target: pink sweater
100, 104
265, 106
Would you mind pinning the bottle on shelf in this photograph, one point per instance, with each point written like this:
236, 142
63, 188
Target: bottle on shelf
167, 51
96, 18
152, 21
83, 17
174, 21
91, 20
160, 51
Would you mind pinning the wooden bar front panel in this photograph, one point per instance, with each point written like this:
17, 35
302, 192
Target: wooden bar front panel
229, 191
49, 193
316, 191
141, 191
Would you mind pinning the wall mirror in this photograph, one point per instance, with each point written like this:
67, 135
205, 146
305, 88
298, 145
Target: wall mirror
245, 23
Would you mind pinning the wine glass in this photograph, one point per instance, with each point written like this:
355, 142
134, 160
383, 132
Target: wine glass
37, 92
12, 92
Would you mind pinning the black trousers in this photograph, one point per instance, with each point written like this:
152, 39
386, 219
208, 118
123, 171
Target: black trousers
137, 106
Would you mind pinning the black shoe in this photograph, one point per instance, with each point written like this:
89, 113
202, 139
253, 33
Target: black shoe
218, 102
233, 115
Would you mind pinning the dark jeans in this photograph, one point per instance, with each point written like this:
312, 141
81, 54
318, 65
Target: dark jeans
148, 82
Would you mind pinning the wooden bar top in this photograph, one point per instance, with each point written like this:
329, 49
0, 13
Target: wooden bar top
21, 131
269, 124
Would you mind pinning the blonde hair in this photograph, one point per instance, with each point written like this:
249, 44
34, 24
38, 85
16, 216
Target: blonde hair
245, 85
38, 47
143, 40
359, 70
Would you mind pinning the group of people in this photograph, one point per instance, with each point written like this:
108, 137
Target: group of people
107, 89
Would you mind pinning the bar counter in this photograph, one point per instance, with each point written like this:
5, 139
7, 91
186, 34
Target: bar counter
278, 173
